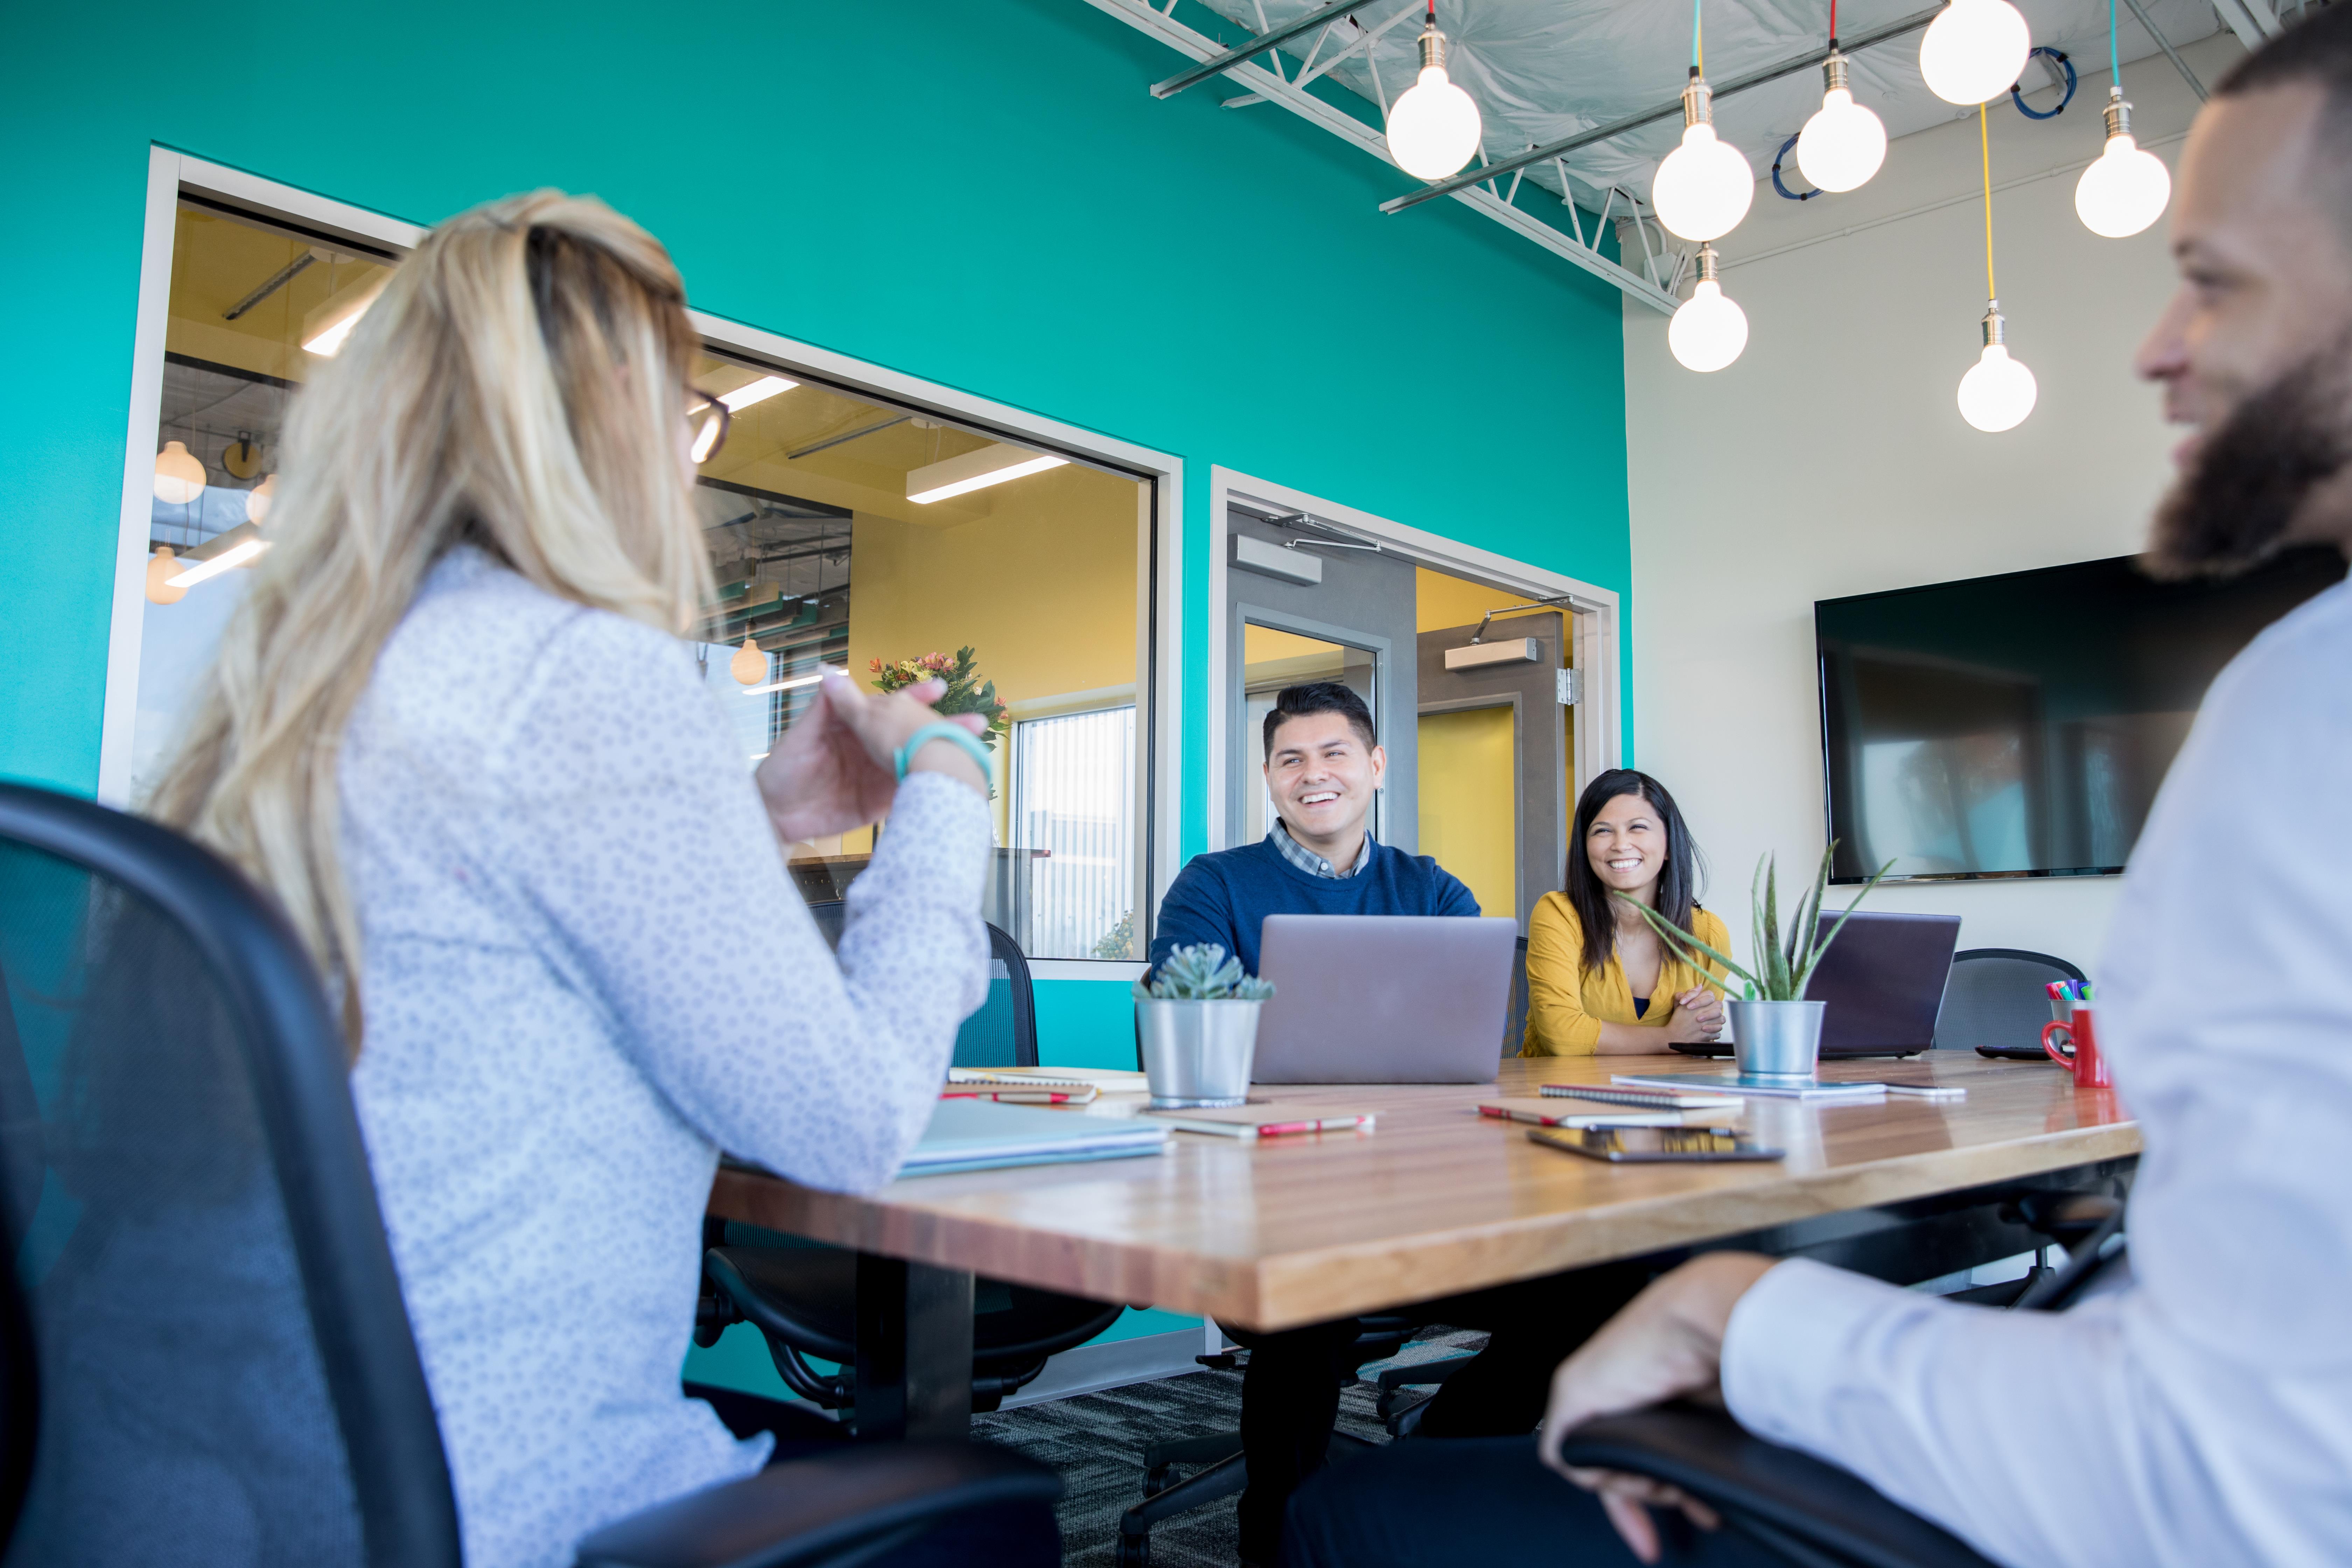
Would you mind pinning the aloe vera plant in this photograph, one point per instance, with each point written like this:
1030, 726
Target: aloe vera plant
1785, 962
1202, 973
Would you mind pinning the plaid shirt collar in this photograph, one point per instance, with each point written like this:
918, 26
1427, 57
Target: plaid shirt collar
1311, 863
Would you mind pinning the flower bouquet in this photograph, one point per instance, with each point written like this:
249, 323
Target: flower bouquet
966, 692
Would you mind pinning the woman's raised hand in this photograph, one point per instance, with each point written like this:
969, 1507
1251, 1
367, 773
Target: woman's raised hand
835, 770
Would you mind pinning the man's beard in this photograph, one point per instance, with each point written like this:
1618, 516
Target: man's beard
2269, 465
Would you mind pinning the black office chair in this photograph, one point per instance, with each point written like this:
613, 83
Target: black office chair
804, 1299
1811, 1513
1997, 1001
203, 1352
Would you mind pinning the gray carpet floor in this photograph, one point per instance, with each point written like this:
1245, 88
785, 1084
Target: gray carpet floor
1096, 1442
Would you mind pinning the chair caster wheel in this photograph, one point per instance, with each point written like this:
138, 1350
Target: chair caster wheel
1134, 1551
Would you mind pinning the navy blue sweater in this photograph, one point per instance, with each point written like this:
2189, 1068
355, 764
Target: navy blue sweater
1223, 897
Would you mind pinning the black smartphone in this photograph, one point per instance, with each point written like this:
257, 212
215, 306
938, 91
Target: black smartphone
1651, 1145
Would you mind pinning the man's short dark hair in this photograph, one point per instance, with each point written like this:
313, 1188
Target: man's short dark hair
1318, 697
2316, 52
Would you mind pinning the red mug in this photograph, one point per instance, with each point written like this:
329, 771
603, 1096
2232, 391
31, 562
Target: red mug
2090, 1069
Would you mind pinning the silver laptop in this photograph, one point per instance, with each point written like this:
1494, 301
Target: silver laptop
1384, 998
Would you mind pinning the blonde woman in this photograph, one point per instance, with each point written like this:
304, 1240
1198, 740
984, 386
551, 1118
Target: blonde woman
454, 727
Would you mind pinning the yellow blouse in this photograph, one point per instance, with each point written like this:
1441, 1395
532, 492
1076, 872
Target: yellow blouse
1566, 1006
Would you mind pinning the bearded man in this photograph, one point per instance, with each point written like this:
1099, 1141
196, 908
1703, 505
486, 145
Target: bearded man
2196, 1408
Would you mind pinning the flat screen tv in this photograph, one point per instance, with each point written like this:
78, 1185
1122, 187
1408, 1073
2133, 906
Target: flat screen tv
2019, 725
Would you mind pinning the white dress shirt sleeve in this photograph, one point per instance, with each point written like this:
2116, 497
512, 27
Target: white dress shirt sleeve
2202, 1414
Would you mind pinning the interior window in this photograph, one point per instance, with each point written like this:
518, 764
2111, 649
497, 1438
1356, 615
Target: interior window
845, 533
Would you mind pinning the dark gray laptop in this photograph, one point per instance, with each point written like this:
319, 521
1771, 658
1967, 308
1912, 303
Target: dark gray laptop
1384, 998
1884, 981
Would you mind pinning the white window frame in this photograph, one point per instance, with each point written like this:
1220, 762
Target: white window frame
1592, 611
169, 173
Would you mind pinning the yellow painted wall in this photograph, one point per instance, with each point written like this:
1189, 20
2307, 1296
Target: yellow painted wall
1265, 644
1468, 802
1043, 588
1440, 600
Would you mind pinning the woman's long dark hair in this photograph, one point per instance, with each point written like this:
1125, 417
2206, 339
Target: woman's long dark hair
1678, 884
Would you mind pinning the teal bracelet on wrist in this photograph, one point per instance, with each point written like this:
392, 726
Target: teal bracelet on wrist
943, 730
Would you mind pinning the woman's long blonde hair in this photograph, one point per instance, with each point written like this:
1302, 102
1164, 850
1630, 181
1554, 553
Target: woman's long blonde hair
518, 384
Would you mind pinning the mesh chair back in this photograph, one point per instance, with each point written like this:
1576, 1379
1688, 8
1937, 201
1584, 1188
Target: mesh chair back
1003, 1033
225, 1369
1997, 997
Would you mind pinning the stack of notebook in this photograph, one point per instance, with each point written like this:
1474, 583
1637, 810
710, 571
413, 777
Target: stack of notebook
976, 1135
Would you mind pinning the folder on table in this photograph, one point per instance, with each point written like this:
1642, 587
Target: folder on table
979, 1135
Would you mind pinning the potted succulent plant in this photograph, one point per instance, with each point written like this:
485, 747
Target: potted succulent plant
1196, 1016
1775, 1031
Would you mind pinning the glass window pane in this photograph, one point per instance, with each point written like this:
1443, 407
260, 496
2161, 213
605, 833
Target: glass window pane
958, 539
1072, 814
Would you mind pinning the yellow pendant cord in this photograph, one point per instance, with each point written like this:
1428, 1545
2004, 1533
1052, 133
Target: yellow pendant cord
1984, 145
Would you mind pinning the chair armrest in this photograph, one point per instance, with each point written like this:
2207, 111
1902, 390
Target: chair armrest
1813, 1511
805, 1510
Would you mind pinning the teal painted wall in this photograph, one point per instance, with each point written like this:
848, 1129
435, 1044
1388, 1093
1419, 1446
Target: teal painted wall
982, 195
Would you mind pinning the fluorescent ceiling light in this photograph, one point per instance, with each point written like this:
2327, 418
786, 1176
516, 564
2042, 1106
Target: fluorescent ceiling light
795, 682
327, 325
760, 391
234, 555
991, 465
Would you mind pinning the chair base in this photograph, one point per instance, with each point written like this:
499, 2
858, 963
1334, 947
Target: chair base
1228, 1473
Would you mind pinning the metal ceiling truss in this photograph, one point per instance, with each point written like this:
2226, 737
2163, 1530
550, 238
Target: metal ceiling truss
1266, 82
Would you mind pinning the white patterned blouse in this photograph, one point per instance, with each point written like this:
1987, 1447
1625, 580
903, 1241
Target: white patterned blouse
585, 972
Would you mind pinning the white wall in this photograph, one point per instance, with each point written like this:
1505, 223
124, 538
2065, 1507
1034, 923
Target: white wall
1831, 459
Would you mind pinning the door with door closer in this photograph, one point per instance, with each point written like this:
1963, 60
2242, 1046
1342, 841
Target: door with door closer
1495, 763
1304, 604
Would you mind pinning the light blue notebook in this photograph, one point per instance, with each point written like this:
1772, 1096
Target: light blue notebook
982, 1135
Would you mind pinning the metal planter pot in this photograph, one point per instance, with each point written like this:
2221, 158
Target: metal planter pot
1198, 1053
1777, 1039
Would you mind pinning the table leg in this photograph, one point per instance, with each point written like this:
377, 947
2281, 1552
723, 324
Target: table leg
914, 1349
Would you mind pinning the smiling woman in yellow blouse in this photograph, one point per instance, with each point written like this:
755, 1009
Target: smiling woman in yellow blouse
1599, 980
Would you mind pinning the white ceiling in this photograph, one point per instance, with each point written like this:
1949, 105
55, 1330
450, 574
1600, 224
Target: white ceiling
1545, 69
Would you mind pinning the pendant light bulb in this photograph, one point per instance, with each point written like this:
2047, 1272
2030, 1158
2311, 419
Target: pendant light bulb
1703, 188
161, 567
1433, 128
1708, 330
1844, 143
2125, 189
179, 476
749, 666
1975, 51
1998, 393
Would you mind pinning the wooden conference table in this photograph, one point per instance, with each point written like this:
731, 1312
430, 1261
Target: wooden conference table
1434, 1201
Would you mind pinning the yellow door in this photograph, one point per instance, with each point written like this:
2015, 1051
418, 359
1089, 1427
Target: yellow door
1469, 807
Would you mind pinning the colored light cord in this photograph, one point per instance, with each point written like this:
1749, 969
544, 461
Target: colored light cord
1984, 146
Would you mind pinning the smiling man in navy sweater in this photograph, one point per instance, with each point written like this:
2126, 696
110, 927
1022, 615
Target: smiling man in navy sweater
1323, 764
